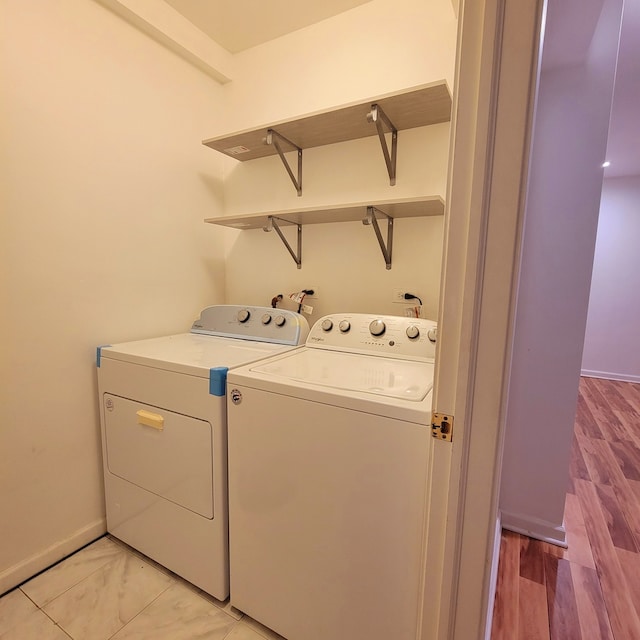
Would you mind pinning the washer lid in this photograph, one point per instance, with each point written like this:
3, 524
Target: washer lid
403, 379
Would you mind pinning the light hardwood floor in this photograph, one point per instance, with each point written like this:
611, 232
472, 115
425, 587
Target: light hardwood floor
590, 591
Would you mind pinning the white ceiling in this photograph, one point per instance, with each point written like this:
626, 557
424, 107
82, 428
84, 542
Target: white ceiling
237, 25
568, 41
623, 150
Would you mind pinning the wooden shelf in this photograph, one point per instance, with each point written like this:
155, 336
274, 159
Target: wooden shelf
399, 208
417, 107
367, 212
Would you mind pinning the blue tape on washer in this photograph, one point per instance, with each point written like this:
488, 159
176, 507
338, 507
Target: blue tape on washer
99, 353
218, 381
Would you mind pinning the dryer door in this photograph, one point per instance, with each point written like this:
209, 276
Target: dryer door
166, 453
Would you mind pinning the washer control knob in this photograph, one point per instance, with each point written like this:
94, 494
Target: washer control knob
344, 326
243, 315
266, 318
377, 328
327, 324
432, 334
280, 320
412, 332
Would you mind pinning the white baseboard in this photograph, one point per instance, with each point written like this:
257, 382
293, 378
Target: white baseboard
25, 569
493, 578
623, 377
534, 528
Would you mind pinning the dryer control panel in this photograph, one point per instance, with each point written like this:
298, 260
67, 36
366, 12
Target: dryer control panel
262, 324
391, 336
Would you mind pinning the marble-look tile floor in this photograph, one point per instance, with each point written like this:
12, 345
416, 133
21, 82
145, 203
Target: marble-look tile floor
108, 590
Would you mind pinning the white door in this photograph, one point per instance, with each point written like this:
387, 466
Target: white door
496, 81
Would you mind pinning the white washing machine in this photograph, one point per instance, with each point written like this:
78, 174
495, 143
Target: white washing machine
164, 435
328, 459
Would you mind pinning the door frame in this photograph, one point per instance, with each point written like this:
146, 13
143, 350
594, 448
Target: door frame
497, 63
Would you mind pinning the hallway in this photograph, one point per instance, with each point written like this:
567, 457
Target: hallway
590, 591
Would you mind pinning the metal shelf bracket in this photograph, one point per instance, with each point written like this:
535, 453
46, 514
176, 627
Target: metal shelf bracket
274, 138
371, 219
378, 116
272, 223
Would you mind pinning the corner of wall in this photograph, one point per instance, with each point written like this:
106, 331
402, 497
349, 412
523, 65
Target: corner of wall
23, 570
535, 528
493, 578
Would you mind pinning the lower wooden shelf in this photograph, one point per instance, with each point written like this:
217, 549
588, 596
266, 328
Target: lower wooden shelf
398, 208
367, 212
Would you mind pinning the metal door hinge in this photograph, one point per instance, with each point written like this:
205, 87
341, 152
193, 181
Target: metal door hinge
442, 426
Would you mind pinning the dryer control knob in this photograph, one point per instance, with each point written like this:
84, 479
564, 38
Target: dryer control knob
432, 334
280, 320
413, 332
377, 328
344, 326
244, 315
327, 324
266, 318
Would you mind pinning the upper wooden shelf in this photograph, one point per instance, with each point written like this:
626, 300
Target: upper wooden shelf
399, 208
417, 107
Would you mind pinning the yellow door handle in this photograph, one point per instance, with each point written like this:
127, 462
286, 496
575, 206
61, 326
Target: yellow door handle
149, 419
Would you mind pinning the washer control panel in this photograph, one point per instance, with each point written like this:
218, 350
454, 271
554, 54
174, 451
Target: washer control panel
262, 324
392, 336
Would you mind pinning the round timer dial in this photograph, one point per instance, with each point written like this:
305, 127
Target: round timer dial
344, 326
327, 324
412, 332
377, 328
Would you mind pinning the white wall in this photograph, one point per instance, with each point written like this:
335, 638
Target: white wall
380, 47
568, 147
342, 262
105, 185
612, 343
105, 188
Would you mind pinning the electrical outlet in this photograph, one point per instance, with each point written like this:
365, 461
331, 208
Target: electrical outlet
398, 295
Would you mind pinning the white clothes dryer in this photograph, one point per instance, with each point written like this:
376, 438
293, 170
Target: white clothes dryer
328, 480
164, 435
